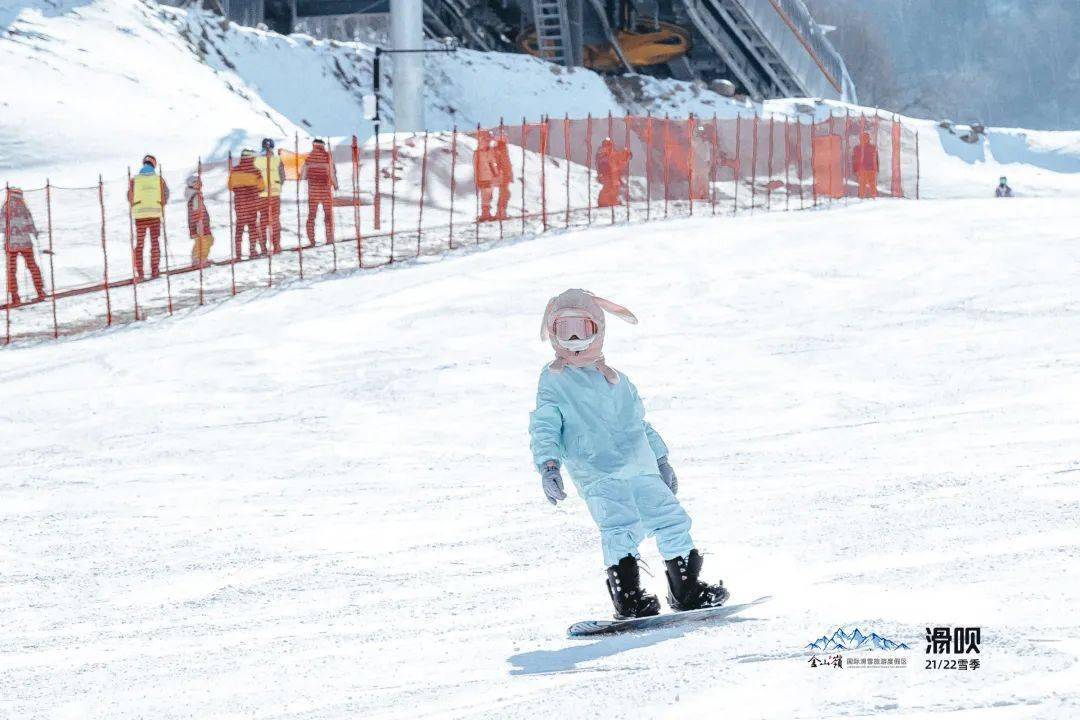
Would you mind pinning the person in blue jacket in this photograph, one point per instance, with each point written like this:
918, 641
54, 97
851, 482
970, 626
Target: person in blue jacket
590, 418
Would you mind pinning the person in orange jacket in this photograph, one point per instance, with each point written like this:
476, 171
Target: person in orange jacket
864, 162
486, 172
505, 175
610, 166
18, 226
246, 183
321, 176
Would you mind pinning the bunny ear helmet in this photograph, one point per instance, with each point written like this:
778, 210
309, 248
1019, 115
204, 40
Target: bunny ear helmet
619, 311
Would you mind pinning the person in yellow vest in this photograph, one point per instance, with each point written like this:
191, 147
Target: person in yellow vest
148, 194
273, 175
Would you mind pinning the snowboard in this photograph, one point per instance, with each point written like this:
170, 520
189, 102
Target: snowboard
611, 627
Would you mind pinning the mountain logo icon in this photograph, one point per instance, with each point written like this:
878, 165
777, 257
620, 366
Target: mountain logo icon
854, 640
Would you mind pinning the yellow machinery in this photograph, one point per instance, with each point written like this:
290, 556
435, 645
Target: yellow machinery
648, 42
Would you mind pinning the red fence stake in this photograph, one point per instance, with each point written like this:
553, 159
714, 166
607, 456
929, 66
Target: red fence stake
787, 165
423, 189
714, 163
52, 270
690, 129
131, 242
918, 172
524, 135
648, 164
165, 241
234, 241
356, 200
197, 253
393, 191
566, 155
299, 232
453, 183
667, 162
476, 188
610, 132
543, 171
378, 194
799, 154
753, 166
588, 169
7, 290
736, 172
104, 253
626, 179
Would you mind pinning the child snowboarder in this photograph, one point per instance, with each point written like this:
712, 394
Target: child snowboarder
1003, 189
591, 417
198, 218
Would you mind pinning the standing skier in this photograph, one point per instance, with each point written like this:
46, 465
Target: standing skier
148, 194
1003, 189
592, 418
19, 230
321, 175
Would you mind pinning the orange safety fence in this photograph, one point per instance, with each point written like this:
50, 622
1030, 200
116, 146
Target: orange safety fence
151, 243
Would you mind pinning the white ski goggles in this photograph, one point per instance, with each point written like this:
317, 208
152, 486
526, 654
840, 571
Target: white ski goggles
574, 328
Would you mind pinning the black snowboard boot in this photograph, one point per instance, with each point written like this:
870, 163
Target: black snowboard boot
624, 586
687, 592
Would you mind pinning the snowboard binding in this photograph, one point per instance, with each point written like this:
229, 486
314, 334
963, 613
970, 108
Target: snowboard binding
624, 587
686, 591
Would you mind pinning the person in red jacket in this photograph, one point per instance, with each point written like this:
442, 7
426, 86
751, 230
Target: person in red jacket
246, 183
321, 176
864, 162
610, 166
505, 176
485, 172
18, 227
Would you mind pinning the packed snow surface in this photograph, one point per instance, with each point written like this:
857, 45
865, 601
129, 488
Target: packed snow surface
319, 502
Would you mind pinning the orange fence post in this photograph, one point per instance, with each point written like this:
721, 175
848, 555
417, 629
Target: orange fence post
131, 242
609, 134
588, 168
626, 179
7, 289
566, 154
234, 241
667, 123
690, 127
453, 182
499, 215
524, 135
648, 164
299, 232
753, 165
813, 158
787, 164
52, 270
197, 255
736, 172
714, 164
897, 188
104, 252
476, 188
165, 240
543, 171
393, 191
423, 189
356, 200
378, 194
798, 155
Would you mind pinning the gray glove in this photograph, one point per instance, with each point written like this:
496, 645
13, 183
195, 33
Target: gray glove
552, 482
668, 475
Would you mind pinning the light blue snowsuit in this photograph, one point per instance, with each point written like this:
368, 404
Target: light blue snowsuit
599, 430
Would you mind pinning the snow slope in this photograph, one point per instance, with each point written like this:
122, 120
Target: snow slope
318, 503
